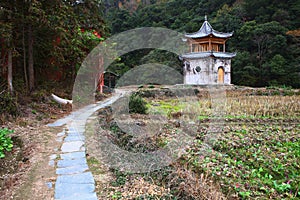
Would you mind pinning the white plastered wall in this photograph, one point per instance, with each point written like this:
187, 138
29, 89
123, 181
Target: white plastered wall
209, 71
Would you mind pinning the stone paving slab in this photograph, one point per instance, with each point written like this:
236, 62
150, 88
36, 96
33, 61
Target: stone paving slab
60, 122
72, 170
59, 139
72, 146
51, 163
91, 196
70, 163
74, 181
84, 178
73, 138
72, 129
61, 134
67, 190
80, 128
73, 155
53, 157
75, 133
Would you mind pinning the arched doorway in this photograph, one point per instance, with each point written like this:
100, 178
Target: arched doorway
221, 75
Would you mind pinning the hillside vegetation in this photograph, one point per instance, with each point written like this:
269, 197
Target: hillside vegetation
265, 35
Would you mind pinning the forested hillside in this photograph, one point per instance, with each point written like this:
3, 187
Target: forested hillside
266, 34
46, 41
43, 42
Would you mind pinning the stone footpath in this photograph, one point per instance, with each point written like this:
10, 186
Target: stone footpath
74, 180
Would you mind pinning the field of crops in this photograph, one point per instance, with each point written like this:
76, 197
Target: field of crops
248, 147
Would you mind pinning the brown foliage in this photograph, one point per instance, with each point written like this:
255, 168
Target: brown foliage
194, 186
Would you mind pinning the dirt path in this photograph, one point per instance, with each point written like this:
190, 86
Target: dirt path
31, 172
33, 177
38, 183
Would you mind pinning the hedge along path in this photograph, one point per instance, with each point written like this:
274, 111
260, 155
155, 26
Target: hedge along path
74, 179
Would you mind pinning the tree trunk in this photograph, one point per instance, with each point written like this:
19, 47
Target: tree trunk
30, 58
9, 65
9, 72
24, 60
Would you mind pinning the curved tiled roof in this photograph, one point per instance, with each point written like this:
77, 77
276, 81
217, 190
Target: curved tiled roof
206, 30
196, 55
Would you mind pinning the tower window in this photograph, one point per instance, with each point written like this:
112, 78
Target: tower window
198, 69
221, 47
195, 47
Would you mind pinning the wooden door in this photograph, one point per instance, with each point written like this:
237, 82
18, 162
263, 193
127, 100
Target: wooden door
221, 75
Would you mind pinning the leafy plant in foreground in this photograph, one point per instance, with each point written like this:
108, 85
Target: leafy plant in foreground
6, 143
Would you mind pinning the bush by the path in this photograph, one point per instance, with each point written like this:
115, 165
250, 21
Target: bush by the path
137, 104
6, 143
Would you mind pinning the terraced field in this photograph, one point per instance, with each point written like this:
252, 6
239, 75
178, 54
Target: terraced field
241, 145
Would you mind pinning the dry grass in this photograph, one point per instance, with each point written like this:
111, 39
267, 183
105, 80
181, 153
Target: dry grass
138, 187
264, 106
194, 186
233, 106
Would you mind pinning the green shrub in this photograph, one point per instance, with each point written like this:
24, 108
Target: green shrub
137, 104
6, 143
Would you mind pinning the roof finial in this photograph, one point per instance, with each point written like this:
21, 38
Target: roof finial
205, 18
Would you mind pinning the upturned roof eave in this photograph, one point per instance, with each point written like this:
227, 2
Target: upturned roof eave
197, 55
207, 30
197, 35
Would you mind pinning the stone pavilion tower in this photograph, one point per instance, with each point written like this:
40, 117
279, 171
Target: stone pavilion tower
207, 62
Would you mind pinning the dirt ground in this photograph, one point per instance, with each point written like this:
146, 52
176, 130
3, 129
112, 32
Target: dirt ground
25, 171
